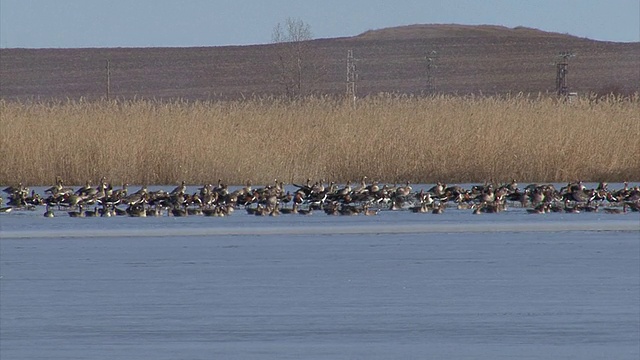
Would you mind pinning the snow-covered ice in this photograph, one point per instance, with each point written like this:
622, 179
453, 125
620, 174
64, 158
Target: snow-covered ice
394, 286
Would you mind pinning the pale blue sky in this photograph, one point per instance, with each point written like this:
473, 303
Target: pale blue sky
144, 23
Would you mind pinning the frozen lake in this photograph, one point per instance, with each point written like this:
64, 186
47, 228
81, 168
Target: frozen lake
393, 286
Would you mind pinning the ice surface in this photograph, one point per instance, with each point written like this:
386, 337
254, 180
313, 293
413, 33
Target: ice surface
395, 286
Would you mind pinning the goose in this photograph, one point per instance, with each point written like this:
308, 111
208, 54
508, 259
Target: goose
155, 211
438, 189
214, 211
374, 187
18, 199
363, 197
194, 211
48, 212
332, 188
136, 210
367, 211
331, 208
100, 195
317, 200
122, 192
346, 190
634, 206
252, 210
622, 193
589, 208
540, 209
633, 195
84, 190
91, 213
211, 198
142, 191
570, 186
519, 197
299, 198
404, 190
261, 211
349, 210
571, 209
422, 208
426, 198
119, 212
537, 196
271, 201
223, 210
286, 198
488, 196
195, 200
554, 207
276, 189
136, 198
106, 211
78, 213
363, 186
72, 200
55, 189
247, 187
275, 211
396, 204
205, 190
181, 189
439, 209
577, 195
491, 208
222, 189
318, 187
616, 210
179, 211
16, 189
306, 212
230, 201
602, 186
463, 205
306, 189
292, 210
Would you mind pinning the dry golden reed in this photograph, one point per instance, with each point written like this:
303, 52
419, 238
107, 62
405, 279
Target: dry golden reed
392, 139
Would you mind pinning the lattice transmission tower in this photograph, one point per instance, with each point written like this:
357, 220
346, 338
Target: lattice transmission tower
562, 69
352, 76
108, 75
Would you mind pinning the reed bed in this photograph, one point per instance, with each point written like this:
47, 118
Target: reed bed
392, 139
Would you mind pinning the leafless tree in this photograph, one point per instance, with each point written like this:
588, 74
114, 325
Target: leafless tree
293, 54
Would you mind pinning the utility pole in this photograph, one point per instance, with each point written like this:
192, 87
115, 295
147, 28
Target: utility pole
351, 76
431, 59
562, 68
108, 67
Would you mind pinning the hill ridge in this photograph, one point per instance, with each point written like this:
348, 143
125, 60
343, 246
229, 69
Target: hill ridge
455, 30
487, 59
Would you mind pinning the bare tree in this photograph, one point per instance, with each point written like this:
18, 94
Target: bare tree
293, 53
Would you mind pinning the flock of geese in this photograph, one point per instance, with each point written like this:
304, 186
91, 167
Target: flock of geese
366, 198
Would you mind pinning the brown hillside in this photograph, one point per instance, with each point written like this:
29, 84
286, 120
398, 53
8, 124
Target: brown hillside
431, 31
468, 59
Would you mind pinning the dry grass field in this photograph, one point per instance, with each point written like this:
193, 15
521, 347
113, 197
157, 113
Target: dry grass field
392, 139
202, 114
